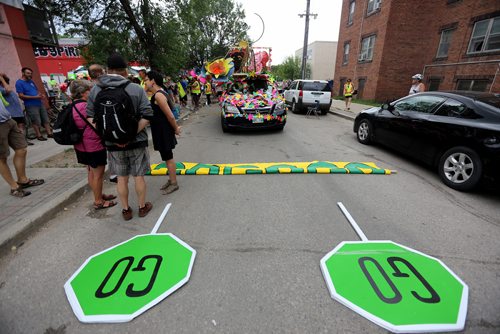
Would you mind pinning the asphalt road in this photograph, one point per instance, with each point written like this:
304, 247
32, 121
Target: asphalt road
260, 238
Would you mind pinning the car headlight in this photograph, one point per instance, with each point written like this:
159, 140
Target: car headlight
279, 107
230, 109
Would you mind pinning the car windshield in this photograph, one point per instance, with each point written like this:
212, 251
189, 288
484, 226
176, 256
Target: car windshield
316, 86
250, 86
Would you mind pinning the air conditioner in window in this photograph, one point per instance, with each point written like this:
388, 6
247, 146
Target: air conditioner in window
377, 4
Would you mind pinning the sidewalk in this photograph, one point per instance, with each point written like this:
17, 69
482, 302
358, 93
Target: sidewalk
338, 108
20, 216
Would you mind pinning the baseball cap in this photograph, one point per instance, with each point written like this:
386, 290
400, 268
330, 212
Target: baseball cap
116, 61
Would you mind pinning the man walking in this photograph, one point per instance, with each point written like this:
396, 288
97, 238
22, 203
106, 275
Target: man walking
131, 158
11, 135
28, 92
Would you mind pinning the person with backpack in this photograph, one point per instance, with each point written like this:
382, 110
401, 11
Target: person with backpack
164, 128
89, 150
120, 110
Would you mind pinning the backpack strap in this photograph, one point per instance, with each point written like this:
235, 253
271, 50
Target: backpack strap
84, 118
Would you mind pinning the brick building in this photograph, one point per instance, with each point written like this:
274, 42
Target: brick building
455, 44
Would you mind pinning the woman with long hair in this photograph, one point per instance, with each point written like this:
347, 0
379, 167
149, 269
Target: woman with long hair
164, 128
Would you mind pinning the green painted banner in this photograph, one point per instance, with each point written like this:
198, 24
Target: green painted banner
315, 167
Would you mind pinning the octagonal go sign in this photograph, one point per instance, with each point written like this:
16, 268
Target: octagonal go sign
396, 287
123, 281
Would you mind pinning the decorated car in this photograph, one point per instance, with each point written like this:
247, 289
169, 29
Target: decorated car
252, 101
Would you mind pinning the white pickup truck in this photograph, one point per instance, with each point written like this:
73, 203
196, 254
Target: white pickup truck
301, 94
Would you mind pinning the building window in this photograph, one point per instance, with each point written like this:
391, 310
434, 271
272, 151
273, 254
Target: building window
485, 36
350, 18
367, 44
373, 6
475, 85
444, 43
434, 84
345, 58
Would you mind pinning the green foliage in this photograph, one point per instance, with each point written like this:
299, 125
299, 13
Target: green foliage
167, 34
289, 69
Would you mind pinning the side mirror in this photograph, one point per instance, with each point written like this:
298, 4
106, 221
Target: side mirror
390, 108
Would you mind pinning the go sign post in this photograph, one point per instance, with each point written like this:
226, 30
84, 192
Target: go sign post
396, 287
122, 282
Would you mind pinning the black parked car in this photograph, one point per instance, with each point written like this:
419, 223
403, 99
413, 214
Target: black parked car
458, 132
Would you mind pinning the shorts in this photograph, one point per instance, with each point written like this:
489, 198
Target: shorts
133, 162
19, 120
166, 155
11, 135
92, 159
348, 96
38, 115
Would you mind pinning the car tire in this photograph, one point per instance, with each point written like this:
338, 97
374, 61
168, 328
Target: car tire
225, 128
324, 112
460, 168
294, 107
280, 128
365, 132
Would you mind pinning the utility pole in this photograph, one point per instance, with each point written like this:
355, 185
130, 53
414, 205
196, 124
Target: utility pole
306, 34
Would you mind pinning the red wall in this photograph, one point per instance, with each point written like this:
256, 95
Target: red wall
60, 59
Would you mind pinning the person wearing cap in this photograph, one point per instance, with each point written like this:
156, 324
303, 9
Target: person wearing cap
416, 84
131, 158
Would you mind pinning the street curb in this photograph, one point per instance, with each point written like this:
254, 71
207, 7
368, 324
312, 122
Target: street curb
348, 117
22, 228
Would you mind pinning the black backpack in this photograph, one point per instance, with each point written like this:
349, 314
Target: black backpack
65, 130
114, 115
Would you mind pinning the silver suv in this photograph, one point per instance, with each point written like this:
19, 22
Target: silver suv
301, 94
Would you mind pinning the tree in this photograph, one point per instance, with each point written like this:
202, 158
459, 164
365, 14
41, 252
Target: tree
166, 34
210, 28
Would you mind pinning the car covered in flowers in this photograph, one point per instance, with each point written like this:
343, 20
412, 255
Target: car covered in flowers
252, 101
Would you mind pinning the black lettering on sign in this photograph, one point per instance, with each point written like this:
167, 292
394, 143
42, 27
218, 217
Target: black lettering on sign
130, 292
397, 295
100, 293
433, 299
53, 51
140, 267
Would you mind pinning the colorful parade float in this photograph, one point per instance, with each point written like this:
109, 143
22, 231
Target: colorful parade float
249, 97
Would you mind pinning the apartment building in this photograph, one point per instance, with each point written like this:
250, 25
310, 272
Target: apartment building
455, 44
321, 57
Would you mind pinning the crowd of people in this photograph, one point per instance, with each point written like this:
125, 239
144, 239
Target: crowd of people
155, 101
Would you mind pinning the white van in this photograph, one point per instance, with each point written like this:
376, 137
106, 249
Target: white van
301, 94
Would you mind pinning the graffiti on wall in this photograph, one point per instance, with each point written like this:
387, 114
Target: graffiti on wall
67, 51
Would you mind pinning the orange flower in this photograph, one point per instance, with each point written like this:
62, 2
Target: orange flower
219, 66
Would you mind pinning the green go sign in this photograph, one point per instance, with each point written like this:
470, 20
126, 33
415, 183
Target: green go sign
396, 287
121, 282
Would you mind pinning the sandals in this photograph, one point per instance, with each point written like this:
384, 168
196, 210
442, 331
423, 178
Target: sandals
104, 205
31, 183
108, 197
19, 192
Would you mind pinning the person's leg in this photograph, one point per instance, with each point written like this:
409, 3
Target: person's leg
140, 189
34, 116
19, 162
96, 178
6, 174
171, 170
349, 103
44, 118
122, 189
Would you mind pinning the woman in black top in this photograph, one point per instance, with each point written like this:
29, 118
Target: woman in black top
164, 128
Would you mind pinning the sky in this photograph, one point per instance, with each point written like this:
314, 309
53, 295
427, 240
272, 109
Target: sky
284, 29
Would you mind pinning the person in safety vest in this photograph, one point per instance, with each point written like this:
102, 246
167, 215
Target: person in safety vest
348, 92
182, 95
208, 91
196, 92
